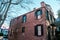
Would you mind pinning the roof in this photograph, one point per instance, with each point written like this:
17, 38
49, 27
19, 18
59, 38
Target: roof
31, 12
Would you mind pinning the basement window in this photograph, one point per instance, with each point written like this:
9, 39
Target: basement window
38, 30
38, 14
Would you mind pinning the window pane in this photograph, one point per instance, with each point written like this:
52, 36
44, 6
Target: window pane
39, 30
39, 17
51, 18
24, 18
38, 12
0, 30
57, 28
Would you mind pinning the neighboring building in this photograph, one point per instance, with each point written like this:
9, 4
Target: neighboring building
57, 23
1, 34
5, 33
34, 25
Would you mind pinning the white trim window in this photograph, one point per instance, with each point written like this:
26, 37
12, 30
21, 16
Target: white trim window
24, 18
39, 30
38, 14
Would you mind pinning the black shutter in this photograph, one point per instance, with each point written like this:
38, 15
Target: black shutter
41, 29
36, 30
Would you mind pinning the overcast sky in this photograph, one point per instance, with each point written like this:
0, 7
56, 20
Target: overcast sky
16, 10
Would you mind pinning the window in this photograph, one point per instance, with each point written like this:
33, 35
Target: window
38, 30
0, 30
23, 29
47, 15
16, 29
59, 28
38, 14
24, 18
51, 17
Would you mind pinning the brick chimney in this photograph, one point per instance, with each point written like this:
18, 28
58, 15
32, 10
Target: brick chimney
43, 4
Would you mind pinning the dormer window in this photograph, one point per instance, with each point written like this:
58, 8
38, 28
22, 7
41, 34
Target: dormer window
38, 14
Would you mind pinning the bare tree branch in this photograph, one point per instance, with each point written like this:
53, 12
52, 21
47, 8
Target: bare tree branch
4, 9
5, 15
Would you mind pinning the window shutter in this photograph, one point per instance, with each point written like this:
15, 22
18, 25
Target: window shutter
36, 30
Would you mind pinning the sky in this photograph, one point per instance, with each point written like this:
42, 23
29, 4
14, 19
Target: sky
16, 10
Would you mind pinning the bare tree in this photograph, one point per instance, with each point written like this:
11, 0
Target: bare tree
3, 11
5, 5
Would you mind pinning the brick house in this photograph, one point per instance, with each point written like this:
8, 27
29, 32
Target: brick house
34, 25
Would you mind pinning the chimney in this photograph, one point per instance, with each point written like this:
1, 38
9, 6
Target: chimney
43, 4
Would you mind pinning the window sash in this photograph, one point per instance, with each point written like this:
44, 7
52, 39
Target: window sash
39, 30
